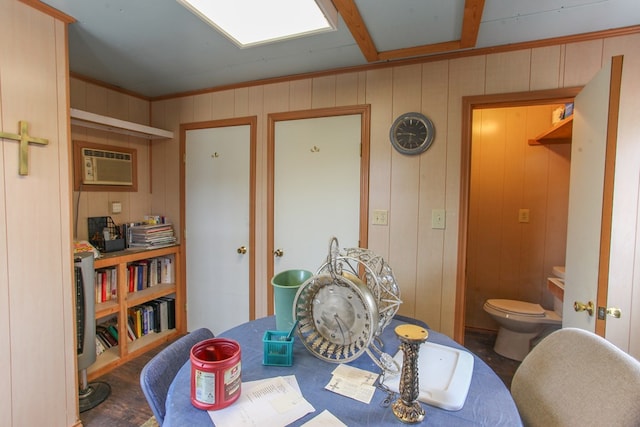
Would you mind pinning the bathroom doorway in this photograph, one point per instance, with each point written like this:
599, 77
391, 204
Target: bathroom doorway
514, 201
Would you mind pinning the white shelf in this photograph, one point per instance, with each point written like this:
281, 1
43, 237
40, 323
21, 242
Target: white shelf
97, 121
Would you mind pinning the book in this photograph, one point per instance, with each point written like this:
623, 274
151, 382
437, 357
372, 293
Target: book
114, 283
171, 312
164, 317
130, 332
130, 282
167, 270
103, 286
100, 348
136, 316
113, 330
151, 235
106, 336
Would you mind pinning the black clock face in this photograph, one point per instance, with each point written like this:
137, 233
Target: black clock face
412, 133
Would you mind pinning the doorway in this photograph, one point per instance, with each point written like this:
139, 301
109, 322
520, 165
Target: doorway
318, 185
471, 104
518, 208
218, 181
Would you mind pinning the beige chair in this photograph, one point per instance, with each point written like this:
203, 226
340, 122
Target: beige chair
576, 378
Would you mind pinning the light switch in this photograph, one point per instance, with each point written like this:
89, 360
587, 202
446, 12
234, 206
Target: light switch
438, 219
523, 215
380, 217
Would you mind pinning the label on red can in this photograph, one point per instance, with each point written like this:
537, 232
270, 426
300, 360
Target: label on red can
205, 387
232, 381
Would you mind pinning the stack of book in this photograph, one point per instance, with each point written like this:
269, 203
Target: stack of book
152, 317
151, 236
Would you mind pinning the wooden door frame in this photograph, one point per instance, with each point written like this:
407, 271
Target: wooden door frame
365, 119
470, 103
252, 122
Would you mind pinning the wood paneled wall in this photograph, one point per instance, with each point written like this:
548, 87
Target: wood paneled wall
507, 258
112, 103
37, 345
424, 260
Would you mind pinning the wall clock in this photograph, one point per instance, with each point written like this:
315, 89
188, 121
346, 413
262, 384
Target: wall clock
412, 133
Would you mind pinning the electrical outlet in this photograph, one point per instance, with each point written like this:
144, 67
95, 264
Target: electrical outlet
438, 219
380, 217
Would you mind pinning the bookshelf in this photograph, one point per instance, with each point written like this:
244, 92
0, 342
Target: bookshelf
118, 308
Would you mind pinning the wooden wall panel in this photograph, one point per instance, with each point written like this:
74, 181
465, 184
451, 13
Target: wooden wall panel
429, 280
582, 61
300, 94
323, 92
378, 94
545, 68
36, 223
223, 104
466, 77
203, 107
241, 102
100, 100
405, 178
508, 72
347, 89
386, 90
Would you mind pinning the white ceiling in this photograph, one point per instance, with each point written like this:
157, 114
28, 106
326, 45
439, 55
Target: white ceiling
157, 47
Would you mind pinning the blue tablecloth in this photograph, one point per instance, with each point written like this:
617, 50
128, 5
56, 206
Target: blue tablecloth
488, 403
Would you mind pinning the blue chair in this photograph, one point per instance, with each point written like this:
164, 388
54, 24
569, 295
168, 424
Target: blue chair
157, 374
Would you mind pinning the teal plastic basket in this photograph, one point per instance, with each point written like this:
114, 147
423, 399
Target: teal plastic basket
278, 351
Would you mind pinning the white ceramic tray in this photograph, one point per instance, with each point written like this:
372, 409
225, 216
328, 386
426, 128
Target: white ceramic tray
444, 374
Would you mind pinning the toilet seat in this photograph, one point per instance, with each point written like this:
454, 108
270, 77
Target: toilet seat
520, 308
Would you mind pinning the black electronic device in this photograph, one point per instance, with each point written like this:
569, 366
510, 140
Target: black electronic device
90, 394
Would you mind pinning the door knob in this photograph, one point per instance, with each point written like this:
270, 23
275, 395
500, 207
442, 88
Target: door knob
242, 250
580, 306
278, 252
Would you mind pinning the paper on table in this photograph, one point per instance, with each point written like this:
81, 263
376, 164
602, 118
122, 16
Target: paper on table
272, 402
325, 419
355, 374
353, 382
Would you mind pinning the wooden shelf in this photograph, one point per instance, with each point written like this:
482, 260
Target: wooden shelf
97, 121
559, 134
119, 308
154, 292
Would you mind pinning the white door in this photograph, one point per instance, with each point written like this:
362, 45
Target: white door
586, 190
316, 189
217, 193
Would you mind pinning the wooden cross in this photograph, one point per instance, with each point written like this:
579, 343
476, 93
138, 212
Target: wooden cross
24, 139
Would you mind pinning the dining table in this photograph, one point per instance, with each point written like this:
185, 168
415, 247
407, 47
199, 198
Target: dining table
488, 401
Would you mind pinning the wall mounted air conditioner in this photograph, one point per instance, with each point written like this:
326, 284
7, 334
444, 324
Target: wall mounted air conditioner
104, 167
99, 167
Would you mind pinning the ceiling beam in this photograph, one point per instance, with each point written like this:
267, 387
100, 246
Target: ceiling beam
351, 15
469, 34
471, 22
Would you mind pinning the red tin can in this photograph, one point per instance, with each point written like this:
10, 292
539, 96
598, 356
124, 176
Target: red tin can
215, 373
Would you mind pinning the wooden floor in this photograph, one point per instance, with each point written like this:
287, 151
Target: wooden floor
127, 406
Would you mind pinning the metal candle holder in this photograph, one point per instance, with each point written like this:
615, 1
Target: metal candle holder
407, 408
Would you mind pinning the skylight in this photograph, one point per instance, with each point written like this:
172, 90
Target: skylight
254, 22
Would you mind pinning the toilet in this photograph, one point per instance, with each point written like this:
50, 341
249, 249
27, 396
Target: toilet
520, 322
